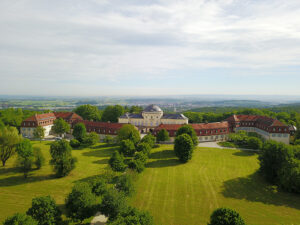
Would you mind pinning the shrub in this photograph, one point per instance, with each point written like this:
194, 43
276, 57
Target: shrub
289, 175
39, 159
98, 186
150, 139
25, 156
137, 165
108, 139
130, 132
162, 135
62, 160
91, 139
81, 202
187, 129
125, 183
45, 211
79, 132
225, 216
254, 143
20, 219
141, 156
183, 147
127, 148
74, 143
116, 162
113, 203
144, 147
297, 142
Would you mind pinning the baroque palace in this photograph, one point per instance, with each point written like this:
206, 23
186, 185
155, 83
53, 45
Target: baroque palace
152, 119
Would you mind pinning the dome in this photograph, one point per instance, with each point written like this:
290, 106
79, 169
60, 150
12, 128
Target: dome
152, 108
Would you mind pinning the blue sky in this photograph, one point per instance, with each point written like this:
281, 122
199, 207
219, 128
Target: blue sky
139, 47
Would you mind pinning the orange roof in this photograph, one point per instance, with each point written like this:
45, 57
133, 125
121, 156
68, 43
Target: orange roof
267, 121
101, 124
67, 115
196, 126
39, 117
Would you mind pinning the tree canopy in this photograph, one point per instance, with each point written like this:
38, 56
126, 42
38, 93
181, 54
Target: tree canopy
39, 133
20, 219
226, 216
162, 135
79, 132
129, 131
187, 129
88, 112
112, 113
60, 126
183, 147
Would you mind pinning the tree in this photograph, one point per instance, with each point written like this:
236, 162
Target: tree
254, 143
225, 216
129, 131
137, 164
116, 162
125, 183
39, 133
60, 126
98, 186
9, 138
62, 160
127, 148
144, 147
91, 139
187, 129
141, 156
25, 156
39, 159
113, 203
112, 113
150, 139
81, 202
162, 135
74, 143
45, 211
132, 216
183, 147
88, 112
20, 219
79, 132
289, 175
108, 139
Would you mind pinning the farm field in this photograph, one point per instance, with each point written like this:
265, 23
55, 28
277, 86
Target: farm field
185, 194
174, 193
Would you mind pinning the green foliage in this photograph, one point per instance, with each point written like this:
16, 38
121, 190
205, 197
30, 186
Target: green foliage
149, 139
297, 142
39, 133
127, 148
79, 132
62, 160
112, 113
20, 219
137, 165
98, 186
143, 157
108, 139
135, 109
226, 216
289, 175
129, 131
91, 139
39, 159
254, 143
113, 203
81, 202
144, 147
242, 139
162, 135
9, 138
88, 112
60, 126
187, 129
183, 147
125, 183
25, 156
74, 143
45, 211
132, 216
116, 162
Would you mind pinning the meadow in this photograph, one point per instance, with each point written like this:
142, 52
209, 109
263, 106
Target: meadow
174, 193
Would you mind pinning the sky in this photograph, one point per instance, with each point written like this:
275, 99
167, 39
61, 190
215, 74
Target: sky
149, 47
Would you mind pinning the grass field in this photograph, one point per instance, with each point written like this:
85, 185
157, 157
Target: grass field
174, 193
16, 192
182, 194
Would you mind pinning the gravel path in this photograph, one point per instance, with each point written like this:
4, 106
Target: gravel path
99, 219
215, 145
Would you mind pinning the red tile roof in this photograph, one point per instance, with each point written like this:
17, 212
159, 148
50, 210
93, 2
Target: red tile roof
67, 115
267, 121
196, 126
39, 117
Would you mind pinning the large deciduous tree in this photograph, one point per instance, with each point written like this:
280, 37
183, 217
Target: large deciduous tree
20, 219
116, 162
25, 156
187, 129
183, 147
88, 112
129, 131
112, 113
162, 135
60, 126
79, 132
62, 160
9, 138
226, 216
39, 133
127, 147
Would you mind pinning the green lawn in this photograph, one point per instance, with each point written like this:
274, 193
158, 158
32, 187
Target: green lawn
174, 193
182, 194
16, 192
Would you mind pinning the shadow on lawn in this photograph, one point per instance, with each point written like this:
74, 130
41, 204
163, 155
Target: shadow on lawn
255, 189
165, 154
4, 170
17, 180
163, 163
104, 152
244, 153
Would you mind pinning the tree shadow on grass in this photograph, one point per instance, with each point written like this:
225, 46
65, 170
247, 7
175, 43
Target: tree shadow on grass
244, 153
163, 163
255, 189
17, 180
104, 152
4, 170
101, 161
165, 154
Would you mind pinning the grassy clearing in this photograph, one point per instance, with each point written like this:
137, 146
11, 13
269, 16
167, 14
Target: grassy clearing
182, 194
16, 192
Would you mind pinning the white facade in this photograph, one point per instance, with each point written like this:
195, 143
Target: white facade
28, 131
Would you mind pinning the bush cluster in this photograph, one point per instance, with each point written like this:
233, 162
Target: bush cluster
243, 139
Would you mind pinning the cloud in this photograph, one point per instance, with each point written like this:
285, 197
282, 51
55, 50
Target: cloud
115, 40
